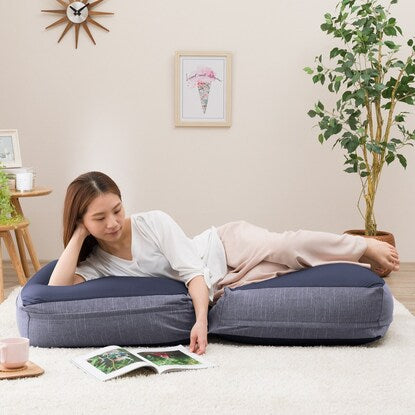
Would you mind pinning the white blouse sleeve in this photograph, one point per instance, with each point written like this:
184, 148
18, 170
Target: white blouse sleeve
180, 251
87, 269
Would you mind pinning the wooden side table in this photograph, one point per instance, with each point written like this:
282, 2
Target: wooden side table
8, 240
22, 233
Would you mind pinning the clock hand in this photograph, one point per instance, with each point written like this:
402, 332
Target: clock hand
73, 9
82, 8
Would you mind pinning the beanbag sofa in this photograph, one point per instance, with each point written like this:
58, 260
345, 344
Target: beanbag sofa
324, 305
330, 304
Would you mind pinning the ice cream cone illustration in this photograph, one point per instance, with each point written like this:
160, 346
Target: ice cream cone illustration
202, 78
204, 89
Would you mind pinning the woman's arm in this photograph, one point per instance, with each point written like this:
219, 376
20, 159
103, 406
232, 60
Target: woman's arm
64, 271
199, 292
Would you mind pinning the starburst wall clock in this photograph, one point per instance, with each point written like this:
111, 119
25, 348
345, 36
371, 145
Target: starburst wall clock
77, 14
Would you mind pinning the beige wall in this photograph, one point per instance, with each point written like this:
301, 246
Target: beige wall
109, 107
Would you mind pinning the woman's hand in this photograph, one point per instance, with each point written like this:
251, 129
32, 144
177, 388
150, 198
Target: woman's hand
64, 271
81, 230
198, 338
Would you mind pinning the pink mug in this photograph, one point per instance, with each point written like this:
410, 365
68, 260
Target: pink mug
14, 352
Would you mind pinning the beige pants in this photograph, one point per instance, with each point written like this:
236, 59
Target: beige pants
255, 254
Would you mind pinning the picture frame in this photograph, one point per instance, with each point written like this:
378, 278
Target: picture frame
203, 86
10, 149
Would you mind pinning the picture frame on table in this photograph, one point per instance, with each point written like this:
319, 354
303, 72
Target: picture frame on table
203, 85
10, 149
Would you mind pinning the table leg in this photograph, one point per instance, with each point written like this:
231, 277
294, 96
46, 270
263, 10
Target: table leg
16, 204
14, 257
22, 251
31, 249
1, 276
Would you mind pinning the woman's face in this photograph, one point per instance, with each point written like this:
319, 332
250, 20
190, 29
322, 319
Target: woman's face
104, 217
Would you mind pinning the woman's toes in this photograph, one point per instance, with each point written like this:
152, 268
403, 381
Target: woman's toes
379, 271
394, 252
382, 256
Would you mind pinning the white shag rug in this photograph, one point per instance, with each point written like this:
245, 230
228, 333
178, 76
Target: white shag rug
377, 378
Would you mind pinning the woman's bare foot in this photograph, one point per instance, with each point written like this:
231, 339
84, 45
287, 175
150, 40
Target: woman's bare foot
381, 256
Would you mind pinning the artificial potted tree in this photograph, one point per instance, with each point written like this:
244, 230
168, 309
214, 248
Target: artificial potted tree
8, 215
373, 84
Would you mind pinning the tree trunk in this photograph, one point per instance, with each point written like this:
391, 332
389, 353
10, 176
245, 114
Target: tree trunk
370, 224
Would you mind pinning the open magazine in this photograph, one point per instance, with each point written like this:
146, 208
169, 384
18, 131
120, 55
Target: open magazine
112, 361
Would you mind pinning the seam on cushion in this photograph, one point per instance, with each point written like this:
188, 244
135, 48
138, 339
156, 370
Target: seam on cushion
107, 313
222, 306
22, 310
292, 324
377, 284
381, 307
28, 325
102, 298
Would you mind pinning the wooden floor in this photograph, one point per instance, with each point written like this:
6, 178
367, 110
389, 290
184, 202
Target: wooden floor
401, 283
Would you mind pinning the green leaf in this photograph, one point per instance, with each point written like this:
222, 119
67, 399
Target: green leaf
410, 42
391, 45
312, 113
308, 70
352, 121
320, 105
321, 138
337, 128
380, 87
337, 86
389, 158
334, 52
398, 64
360, 93
390, 31
402, 160
346, 95
410, 69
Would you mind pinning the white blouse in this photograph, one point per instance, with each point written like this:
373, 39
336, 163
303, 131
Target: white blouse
159, 247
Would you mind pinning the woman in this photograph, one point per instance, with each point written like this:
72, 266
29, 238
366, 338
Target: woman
100, 241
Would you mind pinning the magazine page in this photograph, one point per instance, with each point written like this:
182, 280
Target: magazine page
174, 358
110, 362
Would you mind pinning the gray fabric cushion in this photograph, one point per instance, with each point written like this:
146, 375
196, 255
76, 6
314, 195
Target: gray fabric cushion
327, 304
140, 320
152, 311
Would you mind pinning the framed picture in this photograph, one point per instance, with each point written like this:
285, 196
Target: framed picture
10, 149
203, 89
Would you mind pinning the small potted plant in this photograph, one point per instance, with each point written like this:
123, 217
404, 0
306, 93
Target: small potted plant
372, 83
8, 215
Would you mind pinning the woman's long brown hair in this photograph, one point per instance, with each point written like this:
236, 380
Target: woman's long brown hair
79, 195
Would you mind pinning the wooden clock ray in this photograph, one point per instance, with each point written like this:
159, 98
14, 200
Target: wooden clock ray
77, 13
